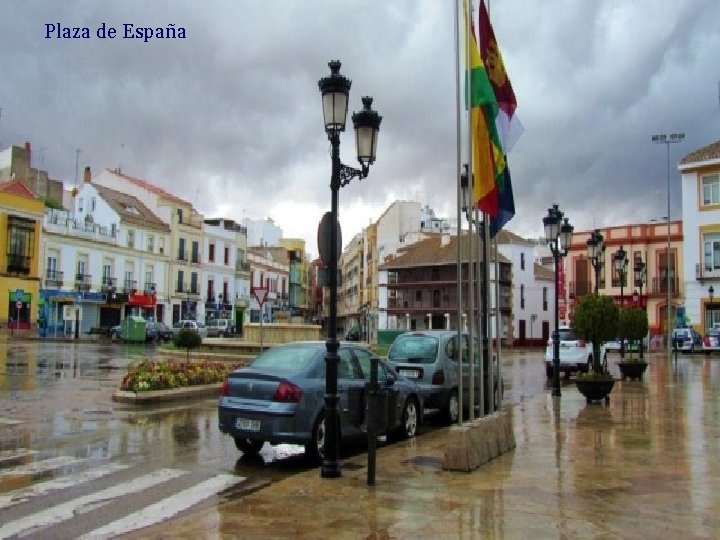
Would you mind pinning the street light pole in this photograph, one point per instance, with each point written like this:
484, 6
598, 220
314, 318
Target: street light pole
664, 138
558, 234
639, 271
620, 261
335, 90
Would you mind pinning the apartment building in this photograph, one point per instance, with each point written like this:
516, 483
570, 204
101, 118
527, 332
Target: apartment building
299, 300
269, 273
21, 216
700, 183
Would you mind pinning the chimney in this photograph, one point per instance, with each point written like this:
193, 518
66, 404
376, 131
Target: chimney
27, 151
87, 177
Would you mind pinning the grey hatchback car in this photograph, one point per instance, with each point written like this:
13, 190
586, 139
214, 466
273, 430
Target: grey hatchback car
279, 397
430, 358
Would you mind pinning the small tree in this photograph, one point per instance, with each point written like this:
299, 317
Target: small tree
187, 339
596, 321
633, 324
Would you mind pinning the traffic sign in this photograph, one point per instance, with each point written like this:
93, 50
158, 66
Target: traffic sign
260, 294
19, 294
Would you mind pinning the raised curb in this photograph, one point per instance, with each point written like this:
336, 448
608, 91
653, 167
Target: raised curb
161, 396
475, 443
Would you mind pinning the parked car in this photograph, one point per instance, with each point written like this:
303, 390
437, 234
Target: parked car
157, 331
711, 341
280, 397
198, 327
430, 358
219, 327
576, 355
686, 340
353, 334
614, 346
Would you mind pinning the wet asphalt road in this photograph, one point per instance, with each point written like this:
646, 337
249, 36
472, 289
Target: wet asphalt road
56, 408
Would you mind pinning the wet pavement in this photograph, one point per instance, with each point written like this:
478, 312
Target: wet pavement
646, 465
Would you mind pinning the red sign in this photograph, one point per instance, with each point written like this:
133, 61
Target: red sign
260, 294
142, 300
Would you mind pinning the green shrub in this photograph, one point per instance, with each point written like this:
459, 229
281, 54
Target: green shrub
596, 320
187, 339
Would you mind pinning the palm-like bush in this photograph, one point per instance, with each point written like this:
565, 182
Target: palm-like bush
596, 321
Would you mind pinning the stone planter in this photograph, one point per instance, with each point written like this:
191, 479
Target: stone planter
595, 389
632, 370
161, 396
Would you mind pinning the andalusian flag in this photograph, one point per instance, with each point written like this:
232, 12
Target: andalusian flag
488, 158
507, 123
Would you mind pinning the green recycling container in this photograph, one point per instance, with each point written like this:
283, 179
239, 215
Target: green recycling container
132, 328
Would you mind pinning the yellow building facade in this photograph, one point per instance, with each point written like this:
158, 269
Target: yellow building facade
21, 215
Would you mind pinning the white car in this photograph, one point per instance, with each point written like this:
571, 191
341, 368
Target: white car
575, 354
199, 327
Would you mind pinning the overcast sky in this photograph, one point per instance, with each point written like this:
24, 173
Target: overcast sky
230, 117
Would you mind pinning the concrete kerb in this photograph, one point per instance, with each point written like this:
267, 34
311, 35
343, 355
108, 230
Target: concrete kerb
475, 443
161, 396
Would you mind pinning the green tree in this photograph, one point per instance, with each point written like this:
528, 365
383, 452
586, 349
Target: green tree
633, 324
596, 321
187, 339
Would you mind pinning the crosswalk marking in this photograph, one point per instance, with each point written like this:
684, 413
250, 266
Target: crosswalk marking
39, 466
166, 508
86, 503
24, 494
13, 455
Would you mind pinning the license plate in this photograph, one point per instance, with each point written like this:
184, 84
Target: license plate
409, 373
248, 424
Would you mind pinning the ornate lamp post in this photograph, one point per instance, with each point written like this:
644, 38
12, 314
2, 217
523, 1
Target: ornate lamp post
596, 254
711, 292
335, 90
620, 262
639, 271
558, 234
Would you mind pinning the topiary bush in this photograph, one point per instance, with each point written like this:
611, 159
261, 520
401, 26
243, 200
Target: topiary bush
596, 321
633, 324
187, 339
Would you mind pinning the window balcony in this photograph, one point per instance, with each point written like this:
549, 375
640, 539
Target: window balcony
130, 286
150, 288
82, 282
108, 284
706, 273
53, 278
18, 264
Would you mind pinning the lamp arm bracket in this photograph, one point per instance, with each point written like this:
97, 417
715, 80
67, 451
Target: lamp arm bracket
348, 173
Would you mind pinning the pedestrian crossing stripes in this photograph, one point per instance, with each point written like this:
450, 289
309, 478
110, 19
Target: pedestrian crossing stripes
21, 495
38, 467
166, 508
86, 503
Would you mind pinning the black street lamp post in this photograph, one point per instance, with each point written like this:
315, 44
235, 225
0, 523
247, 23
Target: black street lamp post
558, 234
596, 254
620, 262
711, 292
639, 271
335, 90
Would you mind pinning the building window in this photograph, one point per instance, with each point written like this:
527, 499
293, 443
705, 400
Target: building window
522, 296
194, 283
522, 261
211, 290
131, 239
51, 268
545, 300
227, 256
195, 252
92, 204
418, 296
211, 252
180, 278
151, 243
21, 244
711, 251
80, 204
711, 189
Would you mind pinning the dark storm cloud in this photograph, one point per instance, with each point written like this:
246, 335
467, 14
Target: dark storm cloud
231, 116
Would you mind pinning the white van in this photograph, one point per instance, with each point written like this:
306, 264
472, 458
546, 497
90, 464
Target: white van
219, 327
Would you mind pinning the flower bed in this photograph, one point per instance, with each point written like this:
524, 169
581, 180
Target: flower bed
169, 374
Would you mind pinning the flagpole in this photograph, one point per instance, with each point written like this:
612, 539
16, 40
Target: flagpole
478, 320
471, 265
485, 317
458, 152
498, 324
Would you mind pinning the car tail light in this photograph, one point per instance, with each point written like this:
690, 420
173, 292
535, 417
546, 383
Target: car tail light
581, 343
288, 393
438, 377
225, 388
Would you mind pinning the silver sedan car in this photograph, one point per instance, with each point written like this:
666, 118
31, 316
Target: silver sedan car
279, 397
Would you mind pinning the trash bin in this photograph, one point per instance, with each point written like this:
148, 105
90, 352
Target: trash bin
133, 328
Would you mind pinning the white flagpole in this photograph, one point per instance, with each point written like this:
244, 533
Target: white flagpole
458, 121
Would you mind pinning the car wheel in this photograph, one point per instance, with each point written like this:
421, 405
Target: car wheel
248, 446
315, 449
410, 419
452, 408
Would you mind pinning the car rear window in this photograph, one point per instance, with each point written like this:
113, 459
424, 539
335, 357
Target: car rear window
567, 335
416, 348
290, 358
